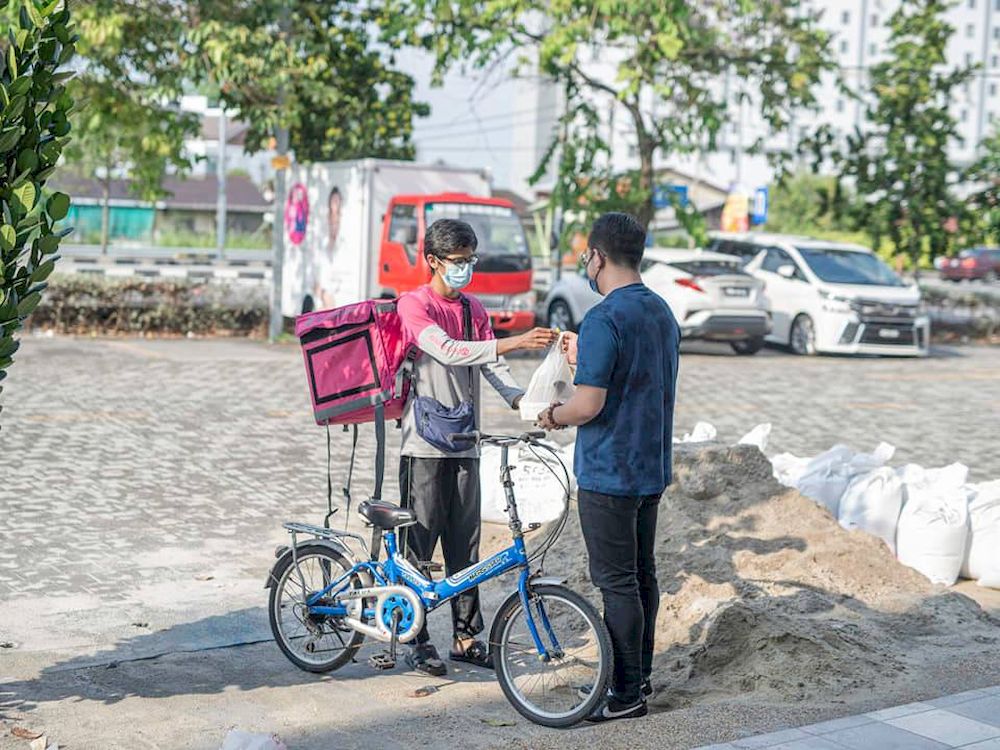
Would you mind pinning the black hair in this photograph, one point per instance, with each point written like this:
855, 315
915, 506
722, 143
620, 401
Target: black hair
448, 236
620, 237
333, 191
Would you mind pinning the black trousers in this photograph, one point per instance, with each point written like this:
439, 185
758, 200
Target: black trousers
619, 533
444, 492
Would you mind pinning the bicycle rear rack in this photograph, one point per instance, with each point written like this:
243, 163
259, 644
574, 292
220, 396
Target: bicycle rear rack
321, 532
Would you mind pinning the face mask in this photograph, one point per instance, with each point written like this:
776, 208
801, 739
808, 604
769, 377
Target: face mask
593, 281
457, 277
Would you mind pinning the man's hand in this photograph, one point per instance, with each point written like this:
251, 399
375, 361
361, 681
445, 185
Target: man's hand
545, 421
533, 340
517, 402
568, 344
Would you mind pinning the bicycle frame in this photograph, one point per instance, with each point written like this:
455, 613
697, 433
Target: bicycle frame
396, 570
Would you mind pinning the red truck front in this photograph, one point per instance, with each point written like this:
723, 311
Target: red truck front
502, 279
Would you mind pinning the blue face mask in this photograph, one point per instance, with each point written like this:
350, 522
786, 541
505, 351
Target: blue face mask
593, 281
457, 277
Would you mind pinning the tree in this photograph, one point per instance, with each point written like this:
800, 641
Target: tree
670, 58
34, 109
985, 174
310, 66
903, 179
129, 72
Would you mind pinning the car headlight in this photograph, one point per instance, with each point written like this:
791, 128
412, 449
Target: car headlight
522, 302
835, 303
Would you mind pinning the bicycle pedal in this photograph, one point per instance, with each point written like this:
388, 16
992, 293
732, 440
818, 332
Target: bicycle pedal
382, 661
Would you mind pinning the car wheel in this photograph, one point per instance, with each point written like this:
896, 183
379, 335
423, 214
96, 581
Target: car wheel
748, 346
560, 316
803, 338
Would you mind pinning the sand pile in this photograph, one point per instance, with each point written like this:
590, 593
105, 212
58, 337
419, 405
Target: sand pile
763, 591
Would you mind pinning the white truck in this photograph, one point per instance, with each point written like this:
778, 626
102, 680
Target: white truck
354, 230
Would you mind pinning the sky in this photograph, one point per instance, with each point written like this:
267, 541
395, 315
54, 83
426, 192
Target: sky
471, 117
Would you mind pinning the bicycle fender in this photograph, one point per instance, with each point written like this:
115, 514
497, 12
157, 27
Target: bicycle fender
331, 544
551, 580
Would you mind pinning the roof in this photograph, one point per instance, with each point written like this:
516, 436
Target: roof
192, 193
236, 131
764, 238
674, 255
521, 204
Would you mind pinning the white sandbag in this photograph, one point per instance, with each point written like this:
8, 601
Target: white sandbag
788, 468
872, 502
757, 436
539, 485
934, 524
703, 432
551, 382
982, 550
826, 476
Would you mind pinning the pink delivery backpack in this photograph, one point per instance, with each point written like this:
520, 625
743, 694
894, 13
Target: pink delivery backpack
358, 365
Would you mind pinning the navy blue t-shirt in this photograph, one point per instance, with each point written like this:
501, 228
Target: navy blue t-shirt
629, 345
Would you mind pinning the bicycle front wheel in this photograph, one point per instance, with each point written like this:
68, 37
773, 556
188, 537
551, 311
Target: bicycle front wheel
562, 688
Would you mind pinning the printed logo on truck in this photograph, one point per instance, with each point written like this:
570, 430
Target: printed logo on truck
296, 213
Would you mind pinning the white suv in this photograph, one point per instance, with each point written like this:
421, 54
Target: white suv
831, 296
711, 296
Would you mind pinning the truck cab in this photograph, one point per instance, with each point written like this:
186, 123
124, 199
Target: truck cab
502, 278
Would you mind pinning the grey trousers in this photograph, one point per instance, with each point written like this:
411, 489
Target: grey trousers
444, 492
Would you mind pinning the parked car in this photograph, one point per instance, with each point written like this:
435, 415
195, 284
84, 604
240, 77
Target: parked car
710, 295
832, 297
975, 263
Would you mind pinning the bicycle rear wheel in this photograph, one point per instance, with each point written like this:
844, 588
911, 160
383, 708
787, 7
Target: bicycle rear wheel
314, 643
548, 692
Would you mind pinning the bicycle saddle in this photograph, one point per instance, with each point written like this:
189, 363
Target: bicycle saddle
386, 515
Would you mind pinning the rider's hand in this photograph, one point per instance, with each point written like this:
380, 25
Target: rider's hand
533, 340
545, 421
568, 346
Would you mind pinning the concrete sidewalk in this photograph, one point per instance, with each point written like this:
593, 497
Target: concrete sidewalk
969, 720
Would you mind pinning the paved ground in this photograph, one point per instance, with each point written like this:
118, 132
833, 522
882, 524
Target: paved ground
970, 720
144, 483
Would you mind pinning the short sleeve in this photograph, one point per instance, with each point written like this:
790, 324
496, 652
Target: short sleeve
597, 351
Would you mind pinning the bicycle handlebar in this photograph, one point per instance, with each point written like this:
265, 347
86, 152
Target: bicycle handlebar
479, 437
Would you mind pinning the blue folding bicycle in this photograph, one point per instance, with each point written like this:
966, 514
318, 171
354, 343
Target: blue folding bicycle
551, 650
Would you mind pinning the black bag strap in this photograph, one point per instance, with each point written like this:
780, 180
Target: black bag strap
329, 476
468, 336
379, 450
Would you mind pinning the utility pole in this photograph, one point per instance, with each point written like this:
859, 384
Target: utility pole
280, 163
220, 200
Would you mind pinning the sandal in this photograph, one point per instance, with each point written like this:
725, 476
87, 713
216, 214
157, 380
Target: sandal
476, 654
424, 658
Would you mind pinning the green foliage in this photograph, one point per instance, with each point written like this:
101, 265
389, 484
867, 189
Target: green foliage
902, 177
806, 203
985, 201
310, 66
34, 129
670, 57
86, 304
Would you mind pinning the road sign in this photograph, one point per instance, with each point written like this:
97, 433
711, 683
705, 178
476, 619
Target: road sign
758, 209
662, 195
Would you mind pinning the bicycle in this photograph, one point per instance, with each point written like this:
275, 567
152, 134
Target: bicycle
548, 643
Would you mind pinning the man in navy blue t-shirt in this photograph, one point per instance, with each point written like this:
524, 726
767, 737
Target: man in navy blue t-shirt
624, 406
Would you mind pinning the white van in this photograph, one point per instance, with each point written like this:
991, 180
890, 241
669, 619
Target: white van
831, 297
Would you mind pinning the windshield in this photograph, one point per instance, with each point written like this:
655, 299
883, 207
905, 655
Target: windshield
849, 267
497, 228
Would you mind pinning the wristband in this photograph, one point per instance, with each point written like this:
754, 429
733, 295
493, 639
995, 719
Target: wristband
551, 416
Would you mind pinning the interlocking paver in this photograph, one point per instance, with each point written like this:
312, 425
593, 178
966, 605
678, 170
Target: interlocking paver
944, 726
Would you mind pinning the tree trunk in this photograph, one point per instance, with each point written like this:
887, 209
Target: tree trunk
647, 147
105, 213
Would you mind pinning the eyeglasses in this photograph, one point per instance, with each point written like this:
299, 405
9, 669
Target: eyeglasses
589, 255
460, 262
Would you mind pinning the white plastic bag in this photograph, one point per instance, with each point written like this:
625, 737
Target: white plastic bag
552, 381
826, 476
757, 436
788, 468
872, 503
539, 485
982, 551
239, 740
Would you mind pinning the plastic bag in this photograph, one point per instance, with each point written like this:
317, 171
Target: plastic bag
757, 436
552, 381
872, 503
825, 477
982, 551
539, 485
